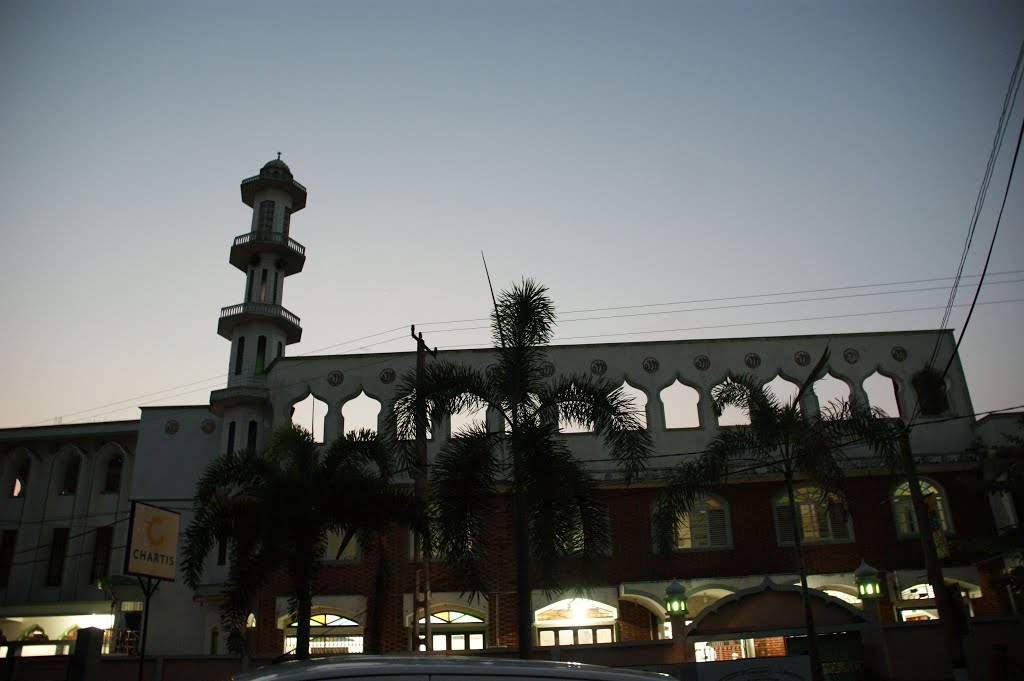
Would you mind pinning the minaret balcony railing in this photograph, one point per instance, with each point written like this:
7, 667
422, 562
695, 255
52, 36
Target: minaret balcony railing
288, 252
242, 313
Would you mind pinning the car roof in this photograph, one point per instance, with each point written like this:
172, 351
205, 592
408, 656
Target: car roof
406, 665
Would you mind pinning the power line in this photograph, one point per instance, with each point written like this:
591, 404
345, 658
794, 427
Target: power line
135, 399
997, 143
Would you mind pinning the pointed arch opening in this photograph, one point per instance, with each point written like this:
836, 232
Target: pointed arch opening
782, 389
679, 402
639, 399
732, 415
467, 420
832, 392
362, 412
570, 427
311, 413
881, 392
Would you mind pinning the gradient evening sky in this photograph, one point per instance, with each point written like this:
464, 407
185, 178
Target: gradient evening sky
623, 153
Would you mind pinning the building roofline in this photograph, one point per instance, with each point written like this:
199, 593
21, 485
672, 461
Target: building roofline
691, 341
71, 430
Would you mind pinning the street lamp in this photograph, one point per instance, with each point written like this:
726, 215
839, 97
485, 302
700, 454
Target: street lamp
868, 584
675, 598
675, 609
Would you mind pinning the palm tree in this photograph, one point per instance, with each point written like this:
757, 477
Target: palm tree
276, 510
780, 437
558, 516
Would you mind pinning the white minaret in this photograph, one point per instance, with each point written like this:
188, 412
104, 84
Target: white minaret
260, 328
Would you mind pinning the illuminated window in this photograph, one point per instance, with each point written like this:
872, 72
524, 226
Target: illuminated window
705, 526
575, 621
822, 517
454, 630
935, 502
330, 634
250, 621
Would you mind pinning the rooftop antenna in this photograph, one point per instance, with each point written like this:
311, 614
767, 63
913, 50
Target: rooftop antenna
494, 300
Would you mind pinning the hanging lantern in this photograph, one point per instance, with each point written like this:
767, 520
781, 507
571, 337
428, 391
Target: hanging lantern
868, 583
675, 598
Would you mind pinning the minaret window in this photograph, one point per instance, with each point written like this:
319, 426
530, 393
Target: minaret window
263, 286
248, 285
261, 354
280, 349
287, 219
277, 282
239, 354
231, 437
250, 440
266, 221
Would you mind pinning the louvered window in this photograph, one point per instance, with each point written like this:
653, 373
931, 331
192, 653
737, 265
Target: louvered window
822, 519
705, 526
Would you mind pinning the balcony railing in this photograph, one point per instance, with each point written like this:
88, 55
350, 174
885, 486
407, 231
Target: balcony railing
266, 236
263, 309
254, 178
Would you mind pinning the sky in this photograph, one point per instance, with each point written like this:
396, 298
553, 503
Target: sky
625, 154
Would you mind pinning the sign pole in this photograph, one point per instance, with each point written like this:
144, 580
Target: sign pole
151, 554
149, 587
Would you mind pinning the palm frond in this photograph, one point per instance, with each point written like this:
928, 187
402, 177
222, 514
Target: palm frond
465, 479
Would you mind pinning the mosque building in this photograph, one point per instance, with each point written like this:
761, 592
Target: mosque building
67, 490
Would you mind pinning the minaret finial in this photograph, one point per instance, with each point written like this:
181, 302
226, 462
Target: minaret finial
279, 156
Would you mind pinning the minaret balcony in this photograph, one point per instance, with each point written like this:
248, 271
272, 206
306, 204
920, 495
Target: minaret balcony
289, 252
243, 313
250, 391
269, 179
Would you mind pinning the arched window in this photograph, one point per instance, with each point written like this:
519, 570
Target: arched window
705, 526
822, 517
329, 634
576, 621
112, 478
250, 621
903, 507
455, 630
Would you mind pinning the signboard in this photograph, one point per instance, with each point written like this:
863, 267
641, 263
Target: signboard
152, 542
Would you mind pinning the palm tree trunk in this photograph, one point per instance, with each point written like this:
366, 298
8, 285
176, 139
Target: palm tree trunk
943, 603
817, 674
305, 611
524, 604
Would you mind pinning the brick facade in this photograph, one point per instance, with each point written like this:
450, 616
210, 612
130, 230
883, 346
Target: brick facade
755, 551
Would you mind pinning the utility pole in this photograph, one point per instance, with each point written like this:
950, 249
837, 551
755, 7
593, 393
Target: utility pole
421, 552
